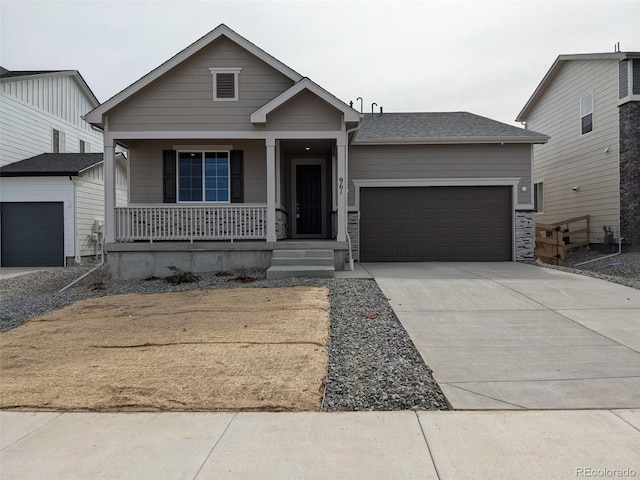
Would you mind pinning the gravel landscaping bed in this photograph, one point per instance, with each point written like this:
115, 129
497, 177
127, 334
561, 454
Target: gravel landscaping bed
623, 269
372, 365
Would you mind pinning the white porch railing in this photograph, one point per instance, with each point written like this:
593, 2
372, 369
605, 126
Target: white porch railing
172, 222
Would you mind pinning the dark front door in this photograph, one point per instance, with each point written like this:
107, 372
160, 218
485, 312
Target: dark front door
309, 200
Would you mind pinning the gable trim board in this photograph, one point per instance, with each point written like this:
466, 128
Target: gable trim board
96, 115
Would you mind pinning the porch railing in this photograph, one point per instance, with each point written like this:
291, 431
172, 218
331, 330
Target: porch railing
179, 223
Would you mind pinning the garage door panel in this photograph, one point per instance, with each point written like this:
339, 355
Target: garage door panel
436, 224
32, 234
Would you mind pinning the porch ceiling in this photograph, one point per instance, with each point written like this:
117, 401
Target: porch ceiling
307, 147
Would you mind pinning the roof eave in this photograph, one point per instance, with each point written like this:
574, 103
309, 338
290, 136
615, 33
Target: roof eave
95, 116
522, 116
452, 140
40, 174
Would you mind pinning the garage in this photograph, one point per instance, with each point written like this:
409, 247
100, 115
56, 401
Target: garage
32, 234
440, 223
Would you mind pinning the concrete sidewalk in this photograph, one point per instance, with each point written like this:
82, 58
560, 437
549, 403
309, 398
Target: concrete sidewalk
371, 445
512, 336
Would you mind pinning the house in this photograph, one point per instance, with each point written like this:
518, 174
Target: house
589, 104
236, 160
52, 208
51, 187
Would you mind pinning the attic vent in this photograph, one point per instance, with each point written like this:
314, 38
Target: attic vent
225, 83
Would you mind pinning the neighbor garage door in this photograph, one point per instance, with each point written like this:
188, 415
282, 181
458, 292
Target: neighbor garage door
32, 234
422, 224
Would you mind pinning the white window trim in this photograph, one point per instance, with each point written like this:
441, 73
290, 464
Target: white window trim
201, 202
592, 112
630, 96
236, 71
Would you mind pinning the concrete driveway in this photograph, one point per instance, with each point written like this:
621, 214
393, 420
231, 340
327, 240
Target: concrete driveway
515, 336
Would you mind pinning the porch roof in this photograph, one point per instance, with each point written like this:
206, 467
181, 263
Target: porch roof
439, 128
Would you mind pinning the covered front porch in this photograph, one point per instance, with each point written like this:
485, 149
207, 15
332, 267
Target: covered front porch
276, 194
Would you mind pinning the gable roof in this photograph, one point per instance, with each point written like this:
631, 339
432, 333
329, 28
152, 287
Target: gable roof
260, 115
17, 75
52, 165
95, 116
559, 62
439, 128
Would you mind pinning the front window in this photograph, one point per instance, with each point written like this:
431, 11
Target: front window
203, 176
586, 113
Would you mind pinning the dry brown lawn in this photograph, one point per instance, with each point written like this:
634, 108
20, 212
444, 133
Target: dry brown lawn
206, 350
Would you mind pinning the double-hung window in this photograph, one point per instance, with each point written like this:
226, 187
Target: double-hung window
538, 197
586, 113
203, 176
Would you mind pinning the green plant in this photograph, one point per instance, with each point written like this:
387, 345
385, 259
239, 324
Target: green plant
180, 276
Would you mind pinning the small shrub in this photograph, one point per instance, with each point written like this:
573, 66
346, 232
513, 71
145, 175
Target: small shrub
180, 276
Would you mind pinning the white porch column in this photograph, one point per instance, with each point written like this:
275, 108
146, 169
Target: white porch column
109, 193
341, 220
271, 189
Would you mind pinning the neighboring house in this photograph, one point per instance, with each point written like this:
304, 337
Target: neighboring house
51, 187
234, 157
589, 104
52, 207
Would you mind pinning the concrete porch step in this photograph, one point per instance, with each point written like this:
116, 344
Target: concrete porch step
301, 263
288, 271
302, 257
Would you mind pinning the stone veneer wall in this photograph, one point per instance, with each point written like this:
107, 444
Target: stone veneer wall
282, 224
525, 234
630, 174
352, 230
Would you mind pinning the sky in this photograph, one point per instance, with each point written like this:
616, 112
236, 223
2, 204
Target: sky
484, 57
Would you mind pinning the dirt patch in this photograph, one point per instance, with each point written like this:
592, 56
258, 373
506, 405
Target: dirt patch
206, 350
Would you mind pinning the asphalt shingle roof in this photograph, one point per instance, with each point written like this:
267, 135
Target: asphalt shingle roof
51, 164
24, 73
438, 126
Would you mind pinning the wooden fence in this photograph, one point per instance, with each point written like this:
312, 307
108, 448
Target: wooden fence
555, 241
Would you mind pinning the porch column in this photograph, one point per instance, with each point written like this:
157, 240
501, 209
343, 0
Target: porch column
109, 193
271, 190
341, 220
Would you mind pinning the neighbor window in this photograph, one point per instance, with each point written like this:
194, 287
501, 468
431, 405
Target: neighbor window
84, 146
629, 79
57, 141
586, 113
225, 84
538, 197
203, 176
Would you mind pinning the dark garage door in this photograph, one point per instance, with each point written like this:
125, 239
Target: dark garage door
423, 224
32, 234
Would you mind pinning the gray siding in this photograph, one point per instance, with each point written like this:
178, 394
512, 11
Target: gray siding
570, 159
305, 112
441, 161
183, 98
145, 164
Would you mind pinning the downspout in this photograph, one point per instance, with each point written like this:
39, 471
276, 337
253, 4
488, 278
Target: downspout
90, 271
77, 257
346, 214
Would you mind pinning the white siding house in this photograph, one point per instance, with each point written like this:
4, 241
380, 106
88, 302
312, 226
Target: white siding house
51, 184
587, 105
